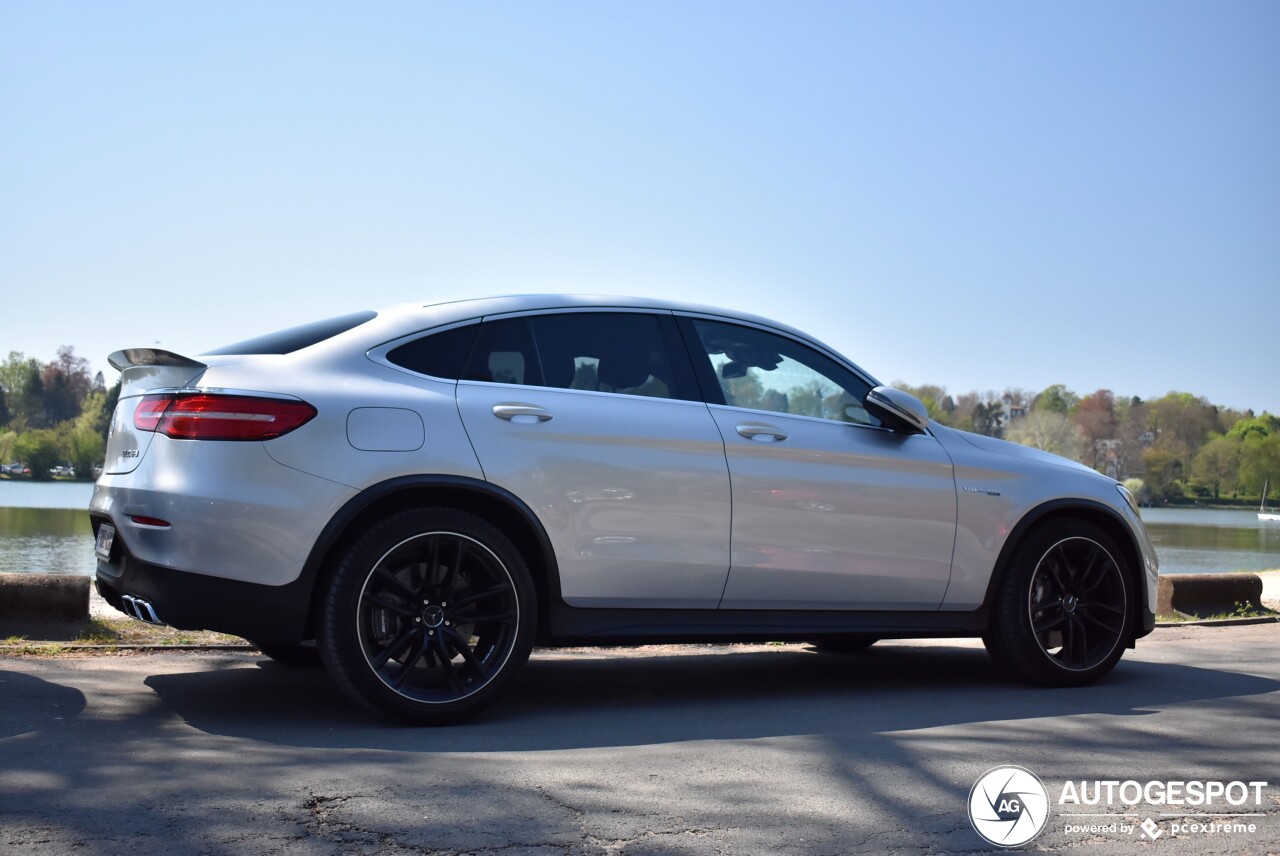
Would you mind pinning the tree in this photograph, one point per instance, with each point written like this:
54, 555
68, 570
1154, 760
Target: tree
83, 448
59, 399
74, 369
988, 419
25, 402
13, 373
1217, 464
33, 413
1096, 416
1260, 426
1260, 463
83, 441
1181, 423
1048, 431
109, 407
39, 451
934, 398
1163, 473
1057, 398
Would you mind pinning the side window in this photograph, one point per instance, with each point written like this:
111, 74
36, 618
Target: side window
606, 352
504, 353
438, 354
763, 371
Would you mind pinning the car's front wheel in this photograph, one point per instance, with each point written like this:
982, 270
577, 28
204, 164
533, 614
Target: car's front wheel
428, 616
1063, 611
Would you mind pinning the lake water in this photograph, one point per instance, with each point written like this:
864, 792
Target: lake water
44, 529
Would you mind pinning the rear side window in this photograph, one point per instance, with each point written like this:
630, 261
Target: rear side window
439, 354
604, 352
296, 338
619, 352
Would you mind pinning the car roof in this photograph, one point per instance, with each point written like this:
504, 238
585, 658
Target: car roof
452, 311
405, 320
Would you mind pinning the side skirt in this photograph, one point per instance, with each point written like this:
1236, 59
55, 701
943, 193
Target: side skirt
576, 626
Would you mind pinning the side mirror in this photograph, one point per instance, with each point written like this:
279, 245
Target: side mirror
899, 410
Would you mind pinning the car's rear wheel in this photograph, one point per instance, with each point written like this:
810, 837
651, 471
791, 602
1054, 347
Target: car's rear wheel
1063, 611
429, 615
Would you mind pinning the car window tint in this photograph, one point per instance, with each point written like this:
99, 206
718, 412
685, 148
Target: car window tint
763, 371
296, 338
605, 352
437, 354
504, 353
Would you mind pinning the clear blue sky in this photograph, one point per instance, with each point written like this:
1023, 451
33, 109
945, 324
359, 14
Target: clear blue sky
978, 195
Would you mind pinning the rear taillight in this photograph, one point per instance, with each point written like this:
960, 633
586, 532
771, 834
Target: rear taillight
201, 416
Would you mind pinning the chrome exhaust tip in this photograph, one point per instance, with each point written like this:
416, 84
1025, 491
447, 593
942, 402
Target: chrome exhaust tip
140, 609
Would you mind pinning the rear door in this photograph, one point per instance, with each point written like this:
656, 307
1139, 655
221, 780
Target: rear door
593, 420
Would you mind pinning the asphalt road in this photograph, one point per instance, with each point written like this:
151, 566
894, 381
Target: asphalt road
686, 749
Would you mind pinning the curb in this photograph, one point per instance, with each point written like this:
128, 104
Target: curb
52, 606
1203, 595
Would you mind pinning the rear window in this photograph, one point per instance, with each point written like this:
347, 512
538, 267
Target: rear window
296, 338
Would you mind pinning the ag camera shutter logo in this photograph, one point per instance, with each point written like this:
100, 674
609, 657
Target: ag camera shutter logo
1008, 806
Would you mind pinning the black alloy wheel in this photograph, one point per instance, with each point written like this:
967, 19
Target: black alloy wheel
1064, 610
429, 616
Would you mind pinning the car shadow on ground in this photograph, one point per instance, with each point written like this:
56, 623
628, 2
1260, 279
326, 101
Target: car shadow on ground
38, 702
604, 700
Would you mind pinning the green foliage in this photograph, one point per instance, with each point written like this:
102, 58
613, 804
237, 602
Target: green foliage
1260, 463
40, 451
1163, 474
1256, 426
83, 448
1217, 465
1058, 399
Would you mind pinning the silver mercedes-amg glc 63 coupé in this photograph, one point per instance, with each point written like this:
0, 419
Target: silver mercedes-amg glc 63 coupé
422, 494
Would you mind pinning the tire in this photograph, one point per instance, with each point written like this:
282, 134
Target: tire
851, 644
294, 656
1063, 612
429, 616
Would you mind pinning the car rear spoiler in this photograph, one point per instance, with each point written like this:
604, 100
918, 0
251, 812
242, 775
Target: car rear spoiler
130, 357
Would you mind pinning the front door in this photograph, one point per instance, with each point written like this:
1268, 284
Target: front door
830, 510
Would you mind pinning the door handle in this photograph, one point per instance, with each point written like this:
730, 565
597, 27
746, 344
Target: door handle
761, 433
523, 414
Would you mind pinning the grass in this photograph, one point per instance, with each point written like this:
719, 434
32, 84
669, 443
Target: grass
116, 634
1242, 610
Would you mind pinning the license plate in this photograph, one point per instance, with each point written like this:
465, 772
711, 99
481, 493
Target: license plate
106, 537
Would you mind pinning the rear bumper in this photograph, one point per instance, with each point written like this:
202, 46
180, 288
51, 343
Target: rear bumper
193, 601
